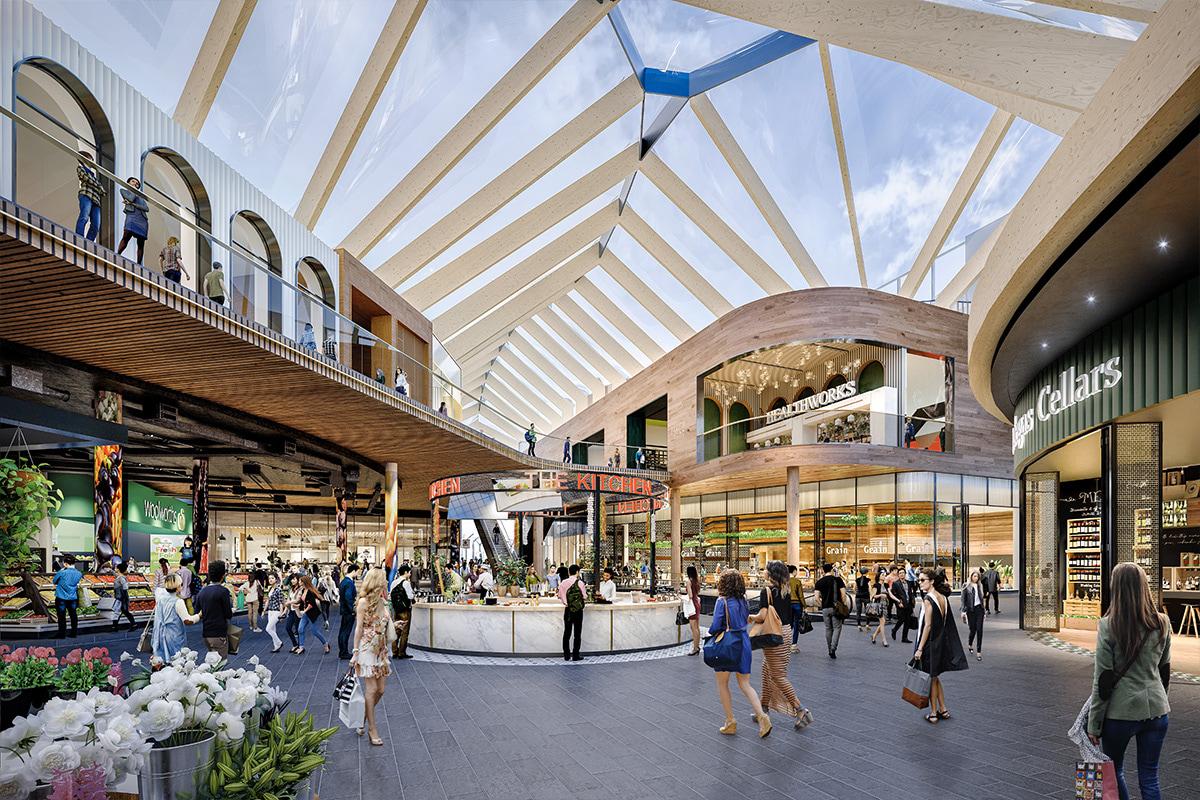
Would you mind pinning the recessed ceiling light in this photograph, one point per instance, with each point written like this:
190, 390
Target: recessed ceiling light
1044, 345
1163, 245
1091, 298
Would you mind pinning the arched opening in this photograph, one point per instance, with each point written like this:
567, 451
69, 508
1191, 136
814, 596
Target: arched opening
738, 414
871, 377
314, 302
46, 177
253, 293
807, 391
712, 428
169, 179
836, 380
777, 403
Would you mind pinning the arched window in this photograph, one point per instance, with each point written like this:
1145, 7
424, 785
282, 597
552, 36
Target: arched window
738, 414
315, 300
777, 403
836, 380
871, 377
712, 429
170, 180
256, 256
807, 391
45, 177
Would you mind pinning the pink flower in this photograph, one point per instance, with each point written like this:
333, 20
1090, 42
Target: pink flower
19, 654
4, 649
106, 661
52, 661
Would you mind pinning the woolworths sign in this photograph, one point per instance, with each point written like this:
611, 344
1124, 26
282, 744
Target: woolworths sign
148, 512
1148, 356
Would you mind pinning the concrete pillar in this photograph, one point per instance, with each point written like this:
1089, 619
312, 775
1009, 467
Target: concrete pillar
539, 553
791, 507
676, 537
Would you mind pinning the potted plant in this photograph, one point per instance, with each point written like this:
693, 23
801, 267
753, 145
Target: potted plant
27, 497
278, 764
510, 573
26, 681
84, 670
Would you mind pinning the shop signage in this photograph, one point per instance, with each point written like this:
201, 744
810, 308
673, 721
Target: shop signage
1134, 362
815, 401
444, 487
1067, 389
565, 482
147, 512
637, 506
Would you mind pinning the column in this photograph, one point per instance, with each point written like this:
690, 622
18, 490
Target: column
200, 540
539, 554
624, 543
391, 503
676, 536
791, 507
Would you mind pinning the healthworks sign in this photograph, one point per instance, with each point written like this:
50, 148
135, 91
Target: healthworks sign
1148, 356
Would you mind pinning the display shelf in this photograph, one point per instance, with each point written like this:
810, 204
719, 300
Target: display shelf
1085, 569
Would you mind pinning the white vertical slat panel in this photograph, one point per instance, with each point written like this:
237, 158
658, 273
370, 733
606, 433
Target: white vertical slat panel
138, 126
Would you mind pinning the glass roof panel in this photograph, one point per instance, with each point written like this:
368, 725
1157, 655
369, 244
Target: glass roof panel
1052, 15
512, 354
908, 137
608, 326
660, 281
607, 144
456, 53
1021, 155
690, 242
690, 152
157, 45
779, 114
542, 328
603, 352
286, 87
536, 328
675, 36
630, 304
590, 70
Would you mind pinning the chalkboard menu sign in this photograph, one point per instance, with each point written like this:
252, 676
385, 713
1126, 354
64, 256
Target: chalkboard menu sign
1080, 499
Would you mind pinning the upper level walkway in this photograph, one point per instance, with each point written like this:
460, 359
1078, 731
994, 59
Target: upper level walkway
77, 300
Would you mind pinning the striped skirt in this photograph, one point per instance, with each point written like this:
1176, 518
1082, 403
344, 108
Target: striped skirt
777, 692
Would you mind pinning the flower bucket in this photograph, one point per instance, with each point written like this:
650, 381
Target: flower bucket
21, 703
180, 771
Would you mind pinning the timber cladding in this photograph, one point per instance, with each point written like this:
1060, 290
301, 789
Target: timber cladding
981, 441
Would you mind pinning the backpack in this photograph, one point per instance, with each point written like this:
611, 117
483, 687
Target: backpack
400, 601
575, 598
528, 436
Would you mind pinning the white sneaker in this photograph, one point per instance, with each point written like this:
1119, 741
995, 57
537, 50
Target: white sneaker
795, 648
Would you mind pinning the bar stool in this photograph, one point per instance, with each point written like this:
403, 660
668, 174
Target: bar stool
1190, 620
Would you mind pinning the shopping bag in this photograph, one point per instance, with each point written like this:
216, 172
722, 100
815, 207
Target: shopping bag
680, 618
234, 637
1096, 780
352, 712
916, 686
345, 686
145, 641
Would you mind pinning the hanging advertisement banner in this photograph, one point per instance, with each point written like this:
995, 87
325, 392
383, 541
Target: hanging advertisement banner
106, 484
200, 510
341, 538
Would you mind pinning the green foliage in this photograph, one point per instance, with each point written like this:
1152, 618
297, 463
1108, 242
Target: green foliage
29, 668
83, 670
287, 751
27, 497
511, 571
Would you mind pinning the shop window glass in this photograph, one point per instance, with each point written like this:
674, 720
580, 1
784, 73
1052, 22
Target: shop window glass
948, 526
738, 416
1000, 492
837, 493
928, 401
169, 179
255, 255
315, 303
975, 490
914, 486
990, 538
1041, 553
876, 534
839, 535
914, 532
876, 489
949, 488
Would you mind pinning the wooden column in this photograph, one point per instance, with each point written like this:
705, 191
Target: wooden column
676, 537
791, 507
391, 510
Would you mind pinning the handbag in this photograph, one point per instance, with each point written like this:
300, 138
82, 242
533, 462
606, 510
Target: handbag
1096, 780
801, 623
916, 686
345, 686
875, 609
392, 635
723, 651
234, 637
769, 632
681, 618
841, 609
146, 640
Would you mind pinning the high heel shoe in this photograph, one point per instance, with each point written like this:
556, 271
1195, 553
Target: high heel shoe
694, 652
764, 726
730, 727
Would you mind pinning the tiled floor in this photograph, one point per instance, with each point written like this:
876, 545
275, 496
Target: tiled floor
648, 729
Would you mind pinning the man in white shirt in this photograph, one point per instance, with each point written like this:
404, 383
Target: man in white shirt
485, 581
608, 587
402, 596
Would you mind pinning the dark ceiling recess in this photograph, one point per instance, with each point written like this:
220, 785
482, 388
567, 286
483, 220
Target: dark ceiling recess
1146, 242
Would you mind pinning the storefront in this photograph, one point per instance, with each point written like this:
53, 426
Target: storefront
1107, 443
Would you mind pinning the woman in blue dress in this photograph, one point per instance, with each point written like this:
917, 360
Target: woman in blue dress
137, 219
170, 615
731, 618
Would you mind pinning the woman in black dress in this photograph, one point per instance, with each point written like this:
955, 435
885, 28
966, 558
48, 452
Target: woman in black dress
938, 649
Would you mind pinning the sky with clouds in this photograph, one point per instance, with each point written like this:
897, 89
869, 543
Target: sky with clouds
907, 134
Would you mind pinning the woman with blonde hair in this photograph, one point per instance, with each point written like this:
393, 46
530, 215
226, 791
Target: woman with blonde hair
370, 660
170, 615
777, 692
1129, 685
730, 618
170, 260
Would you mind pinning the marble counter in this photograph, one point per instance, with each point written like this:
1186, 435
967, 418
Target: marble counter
529, 630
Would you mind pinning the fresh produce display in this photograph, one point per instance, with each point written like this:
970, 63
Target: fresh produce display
286, 752
17, 616
141, 606
9, 591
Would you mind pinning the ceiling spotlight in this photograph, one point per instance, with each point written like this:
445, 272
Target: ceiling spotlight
1044, 345
1091, 298
1163, 245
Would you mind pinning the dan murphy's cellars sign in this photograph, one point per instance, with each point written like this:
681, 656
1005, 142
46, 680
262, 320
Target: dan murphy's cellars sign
1146, 357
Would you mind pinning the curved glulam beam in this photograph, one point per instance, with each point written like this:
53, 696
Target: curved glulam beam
508, 184
376, 73
587, 350
599, 337
839, 142
619, 319
631, 282
662, 252
212, 62
963, 279
483, 116
572, 361
521, 231
1057, 65
580, 397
